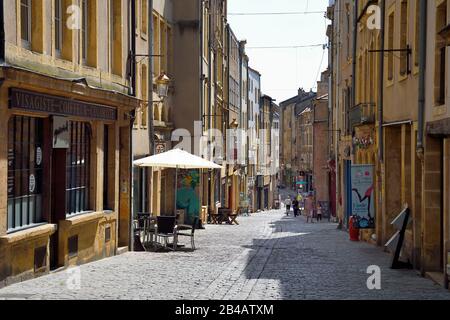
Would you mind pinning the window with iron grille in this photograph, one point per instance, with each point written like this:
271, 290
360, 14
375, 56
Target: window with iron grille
25, 137
78, 168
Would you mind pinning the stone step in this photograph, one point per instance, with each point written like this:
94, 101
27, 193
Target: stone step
122, 250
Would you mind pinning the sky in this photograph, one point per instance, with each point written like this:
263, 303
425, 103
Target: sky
283, 70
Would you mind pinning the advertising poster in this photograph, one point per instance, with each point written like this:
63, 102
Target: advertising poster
362, 196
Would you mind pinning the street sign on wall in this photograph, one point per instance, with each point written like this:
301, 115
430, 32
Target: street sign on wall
362, 196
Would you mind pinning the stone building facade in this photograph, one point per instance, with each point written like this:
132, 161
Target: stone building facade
66, 117
396, 120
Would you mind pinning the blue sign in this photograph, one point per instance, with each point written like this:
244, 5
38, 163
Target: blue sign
363, 208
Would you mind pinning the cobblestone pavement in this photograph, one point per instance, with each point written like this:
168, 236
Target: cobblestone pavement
268, 256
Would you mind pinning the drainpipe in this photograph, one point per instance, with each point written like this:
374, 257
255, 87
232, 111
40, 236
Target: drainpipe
132, 92
2, 33
422, 69
151, 129
381, 85
355, 41
420, 150
132, 49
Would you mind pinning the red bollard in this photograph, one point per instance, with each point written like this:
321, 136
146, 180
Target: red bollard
354, 232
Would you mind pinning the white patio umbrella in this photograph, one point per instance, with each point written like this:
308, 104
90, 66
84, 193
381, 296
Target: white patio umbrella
177, 159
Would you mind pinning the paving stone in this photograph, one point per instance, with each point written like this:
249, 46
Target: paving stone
268, 256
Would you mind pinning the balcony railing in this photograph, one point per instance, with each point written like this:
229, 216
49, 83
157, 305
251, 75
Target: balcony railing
363, 113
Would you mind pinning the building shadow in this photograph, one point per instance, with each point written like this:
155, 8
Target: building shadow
300, 261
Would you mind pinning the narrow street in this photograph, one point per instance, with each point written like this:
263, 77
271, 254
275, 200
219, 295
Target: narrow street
268, 256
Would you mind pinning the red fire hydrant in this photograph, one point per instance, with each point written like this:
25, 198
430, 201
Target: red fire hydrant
353, 231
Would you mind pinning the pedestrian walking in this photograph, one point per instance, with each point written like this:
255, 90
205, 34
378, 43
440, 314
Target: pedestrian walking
309, 207
288, 203
295, 204
319, 212
301, 204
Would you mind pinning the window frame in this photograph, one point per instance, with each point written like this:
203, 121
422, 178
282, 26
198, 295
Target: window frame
57, 20
26, 43
16, 173
78, 177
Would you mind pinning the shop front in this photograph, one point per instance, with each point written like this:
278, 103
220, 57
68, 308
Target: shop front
64, 165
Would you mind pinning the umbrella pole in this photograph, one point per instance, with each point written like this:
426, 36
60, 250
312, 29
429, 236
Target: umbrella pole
176, 190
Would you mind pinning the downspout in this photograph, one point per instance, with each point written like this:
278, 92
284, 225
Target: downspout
355, 40
420, 149
2, 33
132, 42
381, 85
337, 136
422, 70
151, 129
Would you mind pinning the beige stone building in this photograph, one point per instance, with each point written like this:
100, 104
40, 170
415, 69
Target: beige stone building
152, 129
66, 118
290, 158
320, 153
396, 119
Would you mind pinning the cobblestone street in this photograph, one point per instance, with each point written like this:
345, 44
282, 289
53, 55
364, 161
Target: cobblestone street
268, 256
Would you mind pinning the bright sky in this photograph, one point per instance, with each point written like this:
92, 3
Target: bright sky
283, 70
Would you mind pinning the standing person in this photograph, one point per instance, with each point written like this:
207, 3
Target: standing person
301, 204
309, 207
288, 202
319, 212
295, 205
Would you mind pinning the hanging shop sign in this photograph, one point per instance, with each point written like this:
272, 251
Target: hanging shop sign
37, 102
363, 208
160, 147
61, 136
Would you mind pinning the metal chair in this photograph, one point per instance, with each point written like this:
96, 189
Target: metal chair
166, 228
190, 234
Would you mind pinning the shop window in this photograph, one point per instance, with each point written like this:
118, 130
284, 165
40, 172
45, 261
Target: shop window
403, 37
141, 203
78, 168
25, 152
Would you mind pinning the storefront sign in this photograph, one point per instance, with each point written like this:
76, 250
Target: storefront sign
61, 136
362, 196
31, 101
